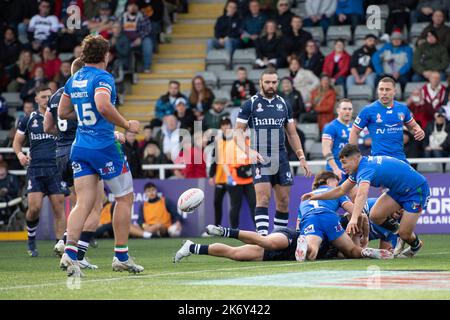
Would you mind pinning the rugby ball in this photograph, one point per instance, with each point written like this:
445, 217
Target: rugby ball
190, 200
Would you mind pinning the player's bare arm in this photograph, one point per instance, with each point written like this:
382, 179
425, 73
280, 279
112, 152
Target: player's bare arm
354, 135
18, 142
361, 198
239, 139
332, 194
327, 147
110, 113
296, 144
65, 109
49, 124
414, 127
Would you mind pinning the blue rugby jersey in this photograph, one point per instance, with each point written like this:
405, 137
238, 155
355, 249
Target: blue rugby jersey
338, 133
313, 207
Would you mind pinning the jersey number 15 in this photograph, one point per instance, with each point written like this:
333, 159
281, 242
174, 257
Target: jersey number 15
86, 116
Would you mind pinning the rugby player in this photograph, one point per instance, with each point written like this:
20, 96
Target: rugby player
43, 178
89, 96
268, 115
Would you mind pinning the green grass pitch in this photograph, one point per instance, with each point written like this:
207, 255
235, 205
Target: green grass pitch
203, 277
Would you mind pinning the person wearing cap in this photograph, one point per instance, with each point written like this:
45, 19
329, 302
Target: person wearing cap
361, 69
428, 57
184, 115
437, 132
213, 116
394, 59
165, 105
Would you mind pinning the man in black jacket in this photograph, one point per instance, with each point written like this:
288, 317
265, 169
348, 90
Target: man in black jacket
361, 69
242, 89
227, 30
294, 41
131, 150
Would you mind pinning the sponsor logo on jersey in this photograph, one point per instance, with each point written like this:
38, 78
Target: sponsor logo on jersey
82, 94
35, 124
41, 136
107, 169
104, 84
338, 228
79, 83
379, 120
259, 108
29, 185
357, 120
401, 116
309, 229
279, 107
269, 122
344, 133
257, 174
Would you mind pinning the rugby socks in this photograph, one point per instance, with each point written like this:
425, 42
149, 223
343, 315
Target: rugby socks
230, 233
391, 225
64, 238
281, 219
415, 245
262, 220
121, 253
31, 228
71, 249
83, 243
198, 248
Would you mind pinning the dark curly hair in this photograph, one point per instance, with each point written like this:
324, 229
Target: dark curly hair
94, 49
321, 179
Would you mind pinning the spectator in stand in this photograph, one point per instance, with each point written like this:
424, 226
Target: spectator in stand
27, 109
295, 39
312, 59
394, 59
138, 29
227, 30
169, 137
436, 135
154, 10
441, 29
27, 10
243, 88
337, 64
284, 16
92, 8
13, 13
399, 14
153, 155
9, 190
192, 156
60, 7
165, 105
293, 97
131, 151
184, 115
21, 72
361, 68
64, 74
269, 46
27, 93
158, 216
294, 67
348, 12
77, 51
103, 22
425, 9
43, 27
50, 63
268, 7
252, 24
148, 138
422, 112
120, 46
9, 49
5, 119
430, 56
433, 94
53, 85
412, 148
319, 13
305, 81
323, 100
215, 114
201, 97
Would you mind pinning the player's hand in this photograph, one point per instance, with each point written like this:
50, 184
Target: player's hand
255, 156
119, 136
338, 172
24, 159
419, 134
305, 167
135, 126
307, 196
352, 227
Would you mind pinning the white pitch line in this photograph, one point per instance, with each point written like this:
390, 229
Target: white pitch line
158, 275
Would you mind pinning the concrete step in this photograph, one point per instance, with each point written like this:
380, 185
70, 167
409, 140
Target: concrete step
137, 109
182, 28
180, 55
187, 20
179, 60
172, 48
213, 9
156, 88
207, 1
142, 99
200, 35
189, 41
164, 77
178, 67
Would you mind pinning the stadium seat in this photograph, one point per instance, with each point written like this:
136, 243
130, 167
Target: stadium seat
283, 72
338, 32
351, 49
226, 87
220, 57
339, 91
316, 32
315, 152
12, 99
227, 77
410, 86
429, 167
244, 56
326, 50
417, 28
300, 10
248, 66
359, 92
311, 130
216, 68
210, 78
362, 30
308, 144
358, 105
222, 94
254, 75
4, 134
65, 56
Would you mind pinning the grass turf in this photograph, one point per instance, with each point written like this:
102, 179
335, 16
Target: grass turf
22, 277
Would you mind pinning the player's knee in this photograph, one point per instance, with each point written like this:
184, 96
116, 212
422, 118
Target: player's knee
126, 199
377, 220
263, 200
312, 254
34, 210
405, 235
